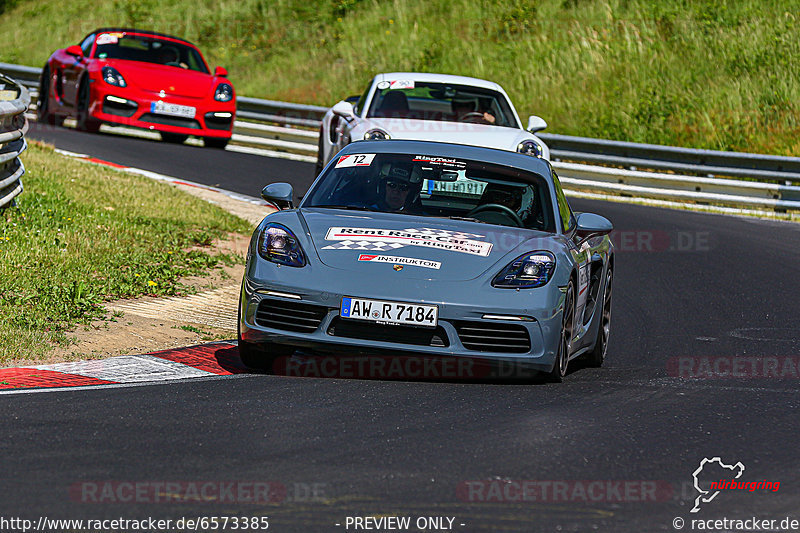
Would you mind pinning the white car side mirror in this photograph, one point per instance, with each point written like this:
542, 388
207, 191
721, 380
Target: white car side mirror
344, 110
536, 124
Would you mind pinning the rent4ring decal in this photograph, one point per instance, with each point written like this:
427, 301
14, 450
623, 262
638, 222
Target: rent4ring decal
371, 239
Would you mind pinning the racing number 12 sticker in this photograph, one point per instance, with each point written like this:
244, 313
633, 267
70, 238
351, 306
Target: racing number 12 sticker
355, 160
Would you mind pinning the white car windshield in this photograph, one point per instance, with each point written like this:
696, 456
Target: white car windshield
433, 186
408, 99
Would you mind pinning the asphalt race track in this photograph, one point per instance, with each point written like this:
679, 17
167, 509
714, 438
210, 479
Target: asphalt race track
611, 449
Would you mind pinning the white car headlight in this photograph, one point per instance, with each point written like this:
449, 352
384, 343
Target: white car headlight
376, 134
530, 147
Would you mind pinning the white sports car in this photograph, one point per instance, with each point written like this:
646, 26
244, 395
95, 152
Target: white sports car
431, 107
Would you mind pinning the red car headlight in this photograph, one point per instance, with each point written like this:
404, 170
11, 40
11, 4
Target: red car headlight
224, 92
113, 77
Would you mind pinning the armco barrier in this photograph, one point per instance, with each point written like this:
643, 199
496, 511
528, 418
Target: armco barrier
690, 174
14, 101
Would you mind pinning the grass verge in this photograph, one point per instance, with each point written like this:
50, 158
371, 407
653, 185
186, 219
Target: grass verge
83, 234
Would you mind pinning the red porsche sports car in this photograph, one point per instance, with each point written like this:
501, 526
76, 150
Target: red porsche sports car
142, 79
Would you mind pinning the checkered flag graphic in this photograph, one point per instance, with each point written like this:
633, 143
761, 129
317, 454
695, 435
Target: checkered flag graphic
433, 232
378, 246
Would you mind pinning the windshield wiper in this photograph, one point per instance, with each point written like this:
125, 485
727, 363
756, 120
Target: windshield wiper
468, 219
348, 207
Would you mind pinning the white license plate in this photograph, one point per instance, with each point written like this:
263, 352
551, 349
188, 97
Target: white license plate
175, 110
385, 312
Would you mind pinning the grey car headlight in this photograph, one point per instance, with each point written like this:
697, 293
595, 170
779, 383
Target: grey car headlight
527, 271
279, 245
376, 134
529, 147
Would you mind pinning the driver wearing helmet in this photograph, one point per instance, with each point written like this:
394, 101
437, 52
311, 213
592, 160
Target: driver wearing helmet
519, 199
398, 190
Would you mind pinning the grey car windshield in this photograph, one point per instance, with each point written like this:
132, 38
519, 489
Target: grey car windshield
434, 186
441, 101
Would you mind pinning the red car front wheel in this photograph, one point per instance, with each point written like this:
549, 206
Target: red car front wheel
85, 121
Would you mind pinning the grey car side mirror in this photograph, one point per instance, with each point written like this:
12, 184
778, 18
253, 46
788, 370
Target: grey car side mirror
279, 194
590, 224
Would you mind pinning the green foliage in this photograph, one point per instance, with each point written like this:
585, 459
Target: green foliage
81, 235
706, 73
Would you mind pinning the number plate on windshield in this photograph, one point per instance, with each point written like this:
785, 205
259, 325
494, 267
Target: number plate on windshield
384, 312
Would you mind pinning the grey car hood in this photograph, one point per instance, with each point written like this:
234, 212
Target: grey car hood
419, 247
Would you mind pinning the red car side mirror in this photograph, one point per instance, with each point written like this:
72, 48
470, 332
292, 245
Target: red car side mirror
75, 50
220, 71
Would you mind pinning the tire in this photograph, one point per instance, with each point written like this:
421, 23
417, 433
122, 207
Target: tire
174, 138
596, 357
254, 358
215, 142
320, 164
85, 122
43, 108
258, 356
561, 364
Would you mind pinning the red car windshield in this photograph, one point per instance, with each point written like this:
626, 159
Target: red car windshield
149, 49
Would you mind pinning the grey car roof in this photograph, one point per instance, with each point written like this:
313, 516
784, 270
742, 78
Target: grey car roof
459, 151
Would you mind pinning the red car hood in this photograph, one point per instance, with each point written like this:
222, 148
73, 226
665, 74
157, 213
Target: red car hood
172, 80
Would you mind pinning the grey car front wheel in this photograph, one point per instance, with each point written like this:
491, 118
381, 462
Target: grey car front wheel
561, 363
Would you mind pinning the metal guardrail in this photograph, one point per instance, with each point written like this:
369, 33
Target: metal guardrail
284, 126
676, 159
14, 102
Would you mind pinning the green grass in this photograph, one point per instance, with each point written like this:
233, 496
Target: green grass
719, 74
83, 234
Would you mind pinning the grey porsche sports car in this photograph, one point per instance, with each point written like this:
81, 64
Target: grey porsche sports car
434, 249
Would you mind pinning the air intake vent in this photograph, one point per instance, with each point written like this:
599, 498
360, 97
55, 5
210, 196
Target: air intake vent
369, 331
170, 121
289, 315
493, 337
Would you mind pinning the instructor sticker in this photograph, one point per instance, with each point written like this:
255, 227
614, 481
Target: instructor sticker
355, 160
410, 261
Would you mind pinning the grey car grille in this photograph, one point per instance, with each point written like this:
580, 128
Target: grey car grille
493, 336
289, 316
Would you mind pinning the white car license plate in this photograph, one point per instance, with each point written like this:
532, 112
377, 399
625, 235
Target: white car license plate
385, 312
174, 110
